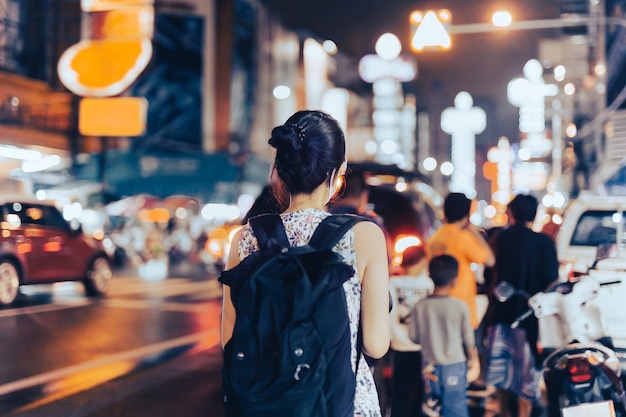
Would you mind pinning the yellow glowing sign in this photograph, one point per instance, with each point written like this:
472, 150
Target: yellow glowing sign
115, 49
112, 116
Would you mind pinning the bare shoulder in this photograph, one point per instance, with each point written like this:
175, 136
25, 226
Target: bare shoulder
368, 229
369, 238
233, 254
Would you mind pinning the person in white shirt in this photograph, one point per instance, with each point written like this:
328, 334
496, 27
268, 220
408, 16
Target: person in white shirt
413, 285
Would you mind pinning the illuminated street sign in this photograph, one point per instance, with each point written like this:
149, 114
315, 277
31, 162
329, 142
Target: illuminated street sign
529, 94
463, 122
502, 157
373, 67
394, 127
430, 30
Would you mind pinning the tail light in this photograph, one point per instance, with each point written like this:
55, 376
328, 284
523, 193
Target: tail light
574, 275
579, 370
401, 244
215, 247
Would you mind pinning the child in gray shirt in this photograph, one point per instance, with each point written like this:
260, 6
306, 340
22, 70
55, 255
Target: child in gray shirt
441, 325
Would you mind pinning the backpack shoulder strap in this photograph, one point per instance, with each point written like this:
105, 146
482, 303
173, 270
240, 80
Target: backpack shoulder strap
269, 231
332, 229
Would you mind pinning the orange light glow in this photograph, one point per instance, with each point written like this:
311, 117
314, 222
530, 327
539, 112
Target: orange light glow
123, 24
24, 248
102, 5
34, 232
215, 247
34, 213
444, 16
100, 64
500, 219
155, 215
396, 260
218, 233
416, 17
52, 247
490, 170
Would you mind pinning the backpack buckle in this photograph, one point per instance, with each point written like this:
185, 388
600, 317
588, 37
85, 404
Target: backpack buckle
300, 366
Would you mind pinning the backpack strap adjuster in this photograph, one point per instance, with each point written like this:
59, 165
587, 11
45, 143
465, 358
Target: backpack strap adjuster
299, 368
270, 232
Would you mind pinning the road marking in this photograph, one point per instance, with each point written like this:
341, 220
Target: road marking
147, 304
44, 308
169, 287
203, 290
209, 338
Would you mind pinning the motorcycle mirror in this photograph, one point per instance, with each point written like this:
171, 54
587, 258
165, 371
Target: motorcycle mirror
503, 291
606, 250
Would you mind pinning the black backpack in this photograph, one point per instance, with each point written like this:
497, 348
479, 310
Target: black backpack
289, 354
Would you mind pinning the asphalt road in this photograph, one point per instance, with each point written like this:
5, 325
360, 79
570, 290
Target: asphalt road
150, 348
184, 386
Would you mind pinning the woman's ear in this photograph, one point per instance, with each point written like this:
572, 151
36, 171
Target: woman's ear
343, 168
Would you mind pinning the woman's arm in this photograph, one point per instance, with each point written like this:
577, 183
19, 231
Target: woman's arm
228, 310
373, 270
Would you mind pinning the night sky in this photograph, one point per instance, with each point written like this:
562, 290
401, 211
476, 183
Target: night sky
481, 64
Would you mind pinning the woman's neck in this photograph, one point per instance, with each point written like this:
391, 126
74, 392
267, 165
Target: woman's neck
315, 200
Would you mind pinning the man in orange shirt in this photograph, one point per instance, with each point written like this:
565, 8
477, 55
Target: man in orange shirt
458, 237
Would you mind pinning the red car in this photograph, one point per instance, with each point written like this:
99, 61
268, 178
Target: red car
38, 246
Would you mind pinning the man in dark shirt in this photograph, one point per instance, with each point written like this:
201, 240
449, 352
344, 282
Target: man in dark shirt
528, 261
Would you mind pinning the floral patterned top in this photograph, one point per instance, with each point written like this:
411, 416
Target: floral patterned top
299, 226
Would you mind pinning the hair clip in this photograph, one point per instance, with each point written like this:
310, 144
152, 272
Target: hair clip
300, 131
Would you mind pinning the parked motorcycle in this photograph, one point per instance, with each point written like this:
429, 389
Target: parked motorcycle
581, 371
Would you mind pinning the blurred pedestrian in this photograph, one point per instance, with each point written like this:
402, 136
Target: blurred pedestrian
463, 240
269, 201
527, 260
310, 157
353, 199
441, 325
414, 284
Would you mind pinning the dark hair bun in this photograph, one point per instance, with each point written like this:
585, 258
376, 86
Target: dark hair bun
286, 138
291, 161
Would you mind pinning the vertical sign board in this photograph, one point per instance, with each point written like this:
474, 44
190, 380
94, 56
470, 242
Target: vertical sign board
116, 47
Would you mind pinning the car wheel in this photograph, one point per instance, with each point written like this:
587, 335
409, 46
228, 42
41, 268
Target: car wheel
9, 282
98, 277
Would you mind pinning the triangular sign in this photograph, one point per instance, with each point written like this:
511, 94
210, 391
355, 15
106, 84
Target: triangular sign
430, 32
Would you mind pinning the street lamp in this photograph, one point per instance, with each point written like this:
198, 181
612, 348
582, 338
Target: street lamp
502, 19
594, 21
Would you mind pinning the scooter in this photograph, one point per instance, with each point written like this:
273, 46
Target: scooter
581, 371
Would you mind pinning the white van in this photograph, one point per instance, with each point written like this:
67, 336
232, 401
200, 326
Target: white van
589, 221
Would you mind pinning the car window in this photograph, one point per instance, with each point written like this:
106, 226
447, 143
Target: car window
596, 227
36, 214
